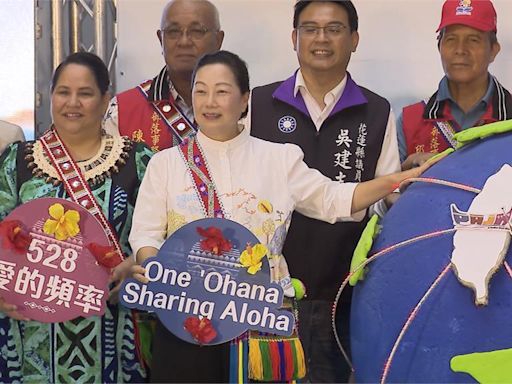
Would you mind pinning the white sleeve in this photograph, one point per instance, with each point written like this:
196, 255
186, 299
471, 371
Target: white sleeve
314, 194
149, 225
110, 120
389, 161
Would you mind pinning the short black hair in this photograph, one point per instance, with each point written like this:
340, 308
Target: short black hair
237, 66
347, 5
89, 60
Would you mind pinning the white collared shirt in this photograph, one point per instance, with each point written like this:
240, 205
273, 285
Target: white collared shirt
248, 173
318, 115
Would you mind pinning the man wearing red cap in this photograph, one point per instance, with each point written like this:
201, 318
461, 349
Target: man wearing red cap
468, 95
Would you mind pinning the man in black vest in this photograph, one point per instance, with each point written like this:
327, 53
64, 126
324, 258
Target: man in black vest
347, 133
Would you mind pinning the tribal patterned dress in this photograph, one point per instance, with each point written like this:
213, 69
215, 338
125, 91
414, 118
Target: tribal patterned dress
83, 350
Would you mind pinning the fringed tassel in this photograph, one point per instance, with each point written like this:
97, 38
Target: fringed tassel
255, 361
276, 360
282, 361
238, 360
288, 362
301, 361
233, 362
266, 360
245, 359
282, 364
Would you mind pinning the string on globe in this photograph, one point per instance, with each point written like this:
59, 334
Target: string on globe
508, 269
391, 248
410, 319
447, 183
363, 265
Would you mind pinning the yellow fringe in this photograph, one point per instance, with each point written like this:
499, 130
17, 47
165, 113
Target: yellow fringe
255, 362
240, 362
301, 361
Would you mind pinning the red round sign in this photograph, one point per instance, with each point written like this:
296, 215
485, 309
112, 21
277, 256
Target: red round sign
47, 267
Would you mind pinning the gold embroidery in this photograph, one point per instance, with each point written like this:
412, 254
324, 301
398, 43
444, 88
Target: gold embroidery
174, 222
138, 136
268, 228
155, 131
420, 148
434, 141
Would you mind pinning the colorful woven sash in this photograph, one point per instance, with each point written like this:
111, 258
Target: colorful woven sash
174, 119
445, 128
253, 355
74, 182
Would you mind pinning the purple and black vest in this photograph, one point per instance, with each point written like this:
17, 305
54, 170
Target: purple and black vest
346, 148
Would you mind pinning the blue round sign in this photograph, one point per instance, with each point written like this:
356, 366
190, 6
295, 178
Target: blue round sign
204, 291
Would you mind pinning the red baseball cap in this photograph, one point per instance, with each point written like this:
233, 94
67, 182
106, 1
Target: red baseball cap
478, 14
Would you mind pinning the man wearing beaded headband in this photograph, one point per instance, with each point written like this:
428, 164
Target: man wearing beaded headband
158, 111
468, 95
346, 132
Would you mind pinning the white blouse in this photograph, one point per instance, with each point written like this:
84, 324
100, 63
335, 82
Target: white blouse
259, 185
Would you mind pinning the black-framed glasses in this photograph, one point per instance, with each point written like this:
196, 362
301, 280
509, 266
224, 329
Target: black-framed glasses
334, 30
194, 33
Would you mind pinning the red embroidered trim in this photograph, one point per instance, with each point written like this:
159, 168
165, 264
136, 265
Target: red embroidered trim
177, 123
203, 183
74, 182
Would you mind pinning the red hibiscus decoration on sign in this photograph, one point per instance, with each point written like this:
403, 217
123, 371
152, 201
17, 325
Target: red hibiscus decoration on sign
201, 329
214, 240
15, 236
107, 256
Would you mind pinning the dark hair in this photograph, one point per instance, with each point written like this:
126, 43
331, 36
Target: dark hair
347, 5
89, 60
237, 66
493, 37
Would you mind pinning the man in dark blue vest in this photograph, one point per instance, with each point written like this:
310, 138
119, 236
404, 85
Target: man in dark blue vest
346, 132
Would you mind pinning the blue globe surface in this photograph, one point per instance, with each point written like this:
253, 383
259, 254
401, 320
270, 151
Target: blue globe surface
448, 323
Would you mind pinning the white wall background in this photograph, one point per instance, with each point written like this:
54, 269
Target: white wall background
397, 55
17, 64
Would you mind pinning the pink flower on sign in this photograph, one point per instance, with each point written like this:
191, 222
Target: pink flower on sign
14, 236
214, 241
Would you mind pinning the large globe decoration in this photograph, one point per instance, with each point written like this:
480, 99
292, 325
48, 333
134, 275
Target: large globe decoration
435, 304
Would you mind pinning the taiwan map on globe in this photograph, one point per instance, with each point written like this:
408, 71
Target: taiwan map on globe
435, 302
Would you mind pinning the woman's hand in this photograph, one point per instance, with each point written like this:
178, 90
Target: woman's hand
423, 164
369, 192
138, 273
11, 310
119, 273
